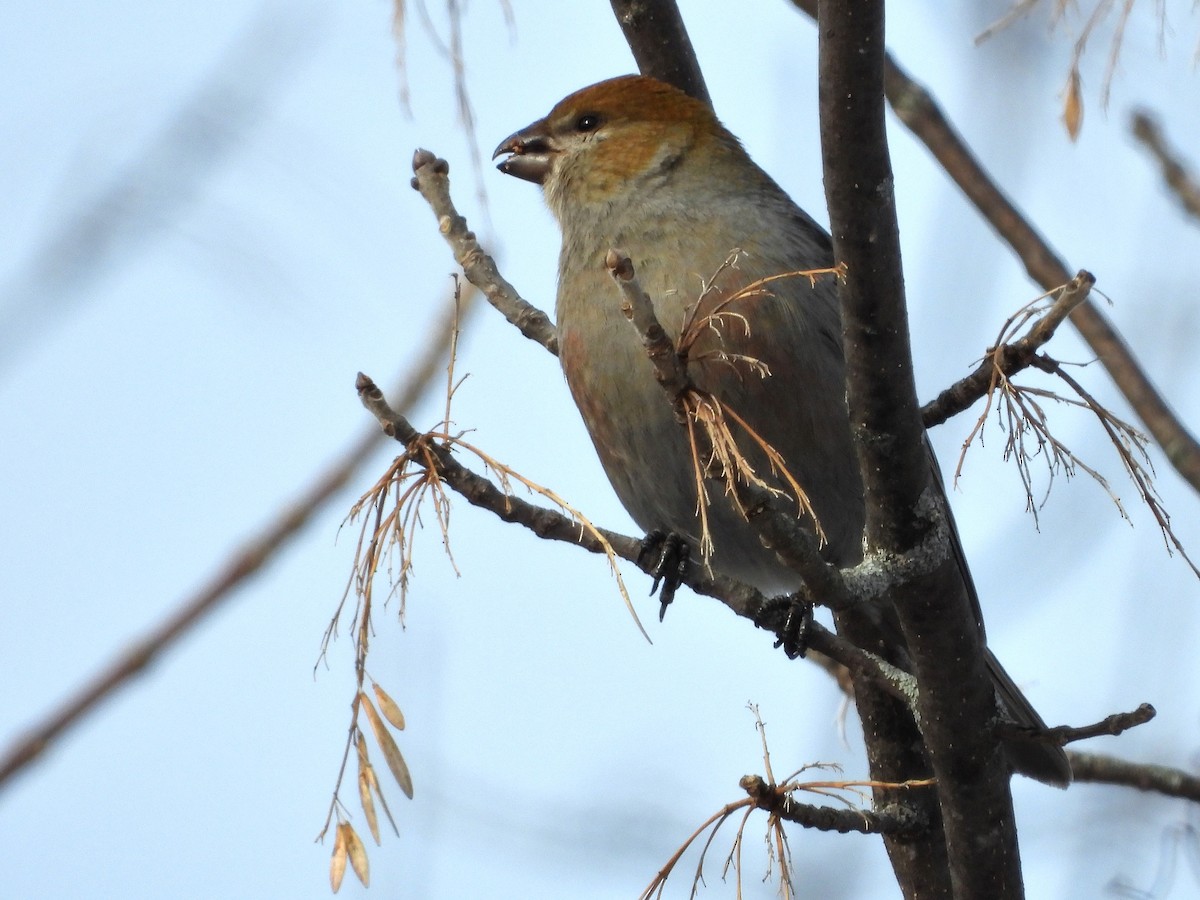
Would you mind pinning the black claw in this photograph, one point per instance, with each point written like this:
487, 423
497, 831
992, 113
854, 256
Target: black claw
790, 617
671, 555
793, 636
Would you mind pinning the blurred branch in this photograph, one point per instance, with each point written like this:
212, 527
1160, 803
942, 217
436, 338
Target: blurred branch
1100, 12
147, 194
661, 47
451, 48
918, 110
254, 554
1103, 769
1178, 177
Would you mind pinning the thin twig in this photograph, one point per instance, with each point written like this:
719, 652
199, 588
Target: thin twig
782, 531
432, 180
1009, 358
1109, 725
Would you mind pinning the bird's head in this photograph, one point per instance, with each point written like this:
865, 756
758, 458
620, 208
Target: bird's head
613, 140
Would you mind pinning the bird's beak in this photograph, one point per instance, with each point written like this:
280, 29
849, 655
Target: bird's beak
531, 153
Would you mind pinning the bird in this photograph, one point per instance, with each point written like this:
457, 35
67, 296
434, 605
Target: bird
636, 164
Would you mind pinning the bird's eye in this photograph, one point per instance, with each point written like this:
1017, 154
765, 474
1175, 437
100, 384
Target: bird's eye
587, 122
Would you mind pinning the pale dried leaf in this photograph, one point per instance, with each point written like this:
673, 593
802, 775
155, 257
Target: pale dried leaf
358, 855
1072, 114
388, 707
337, 865
368, 804
374, 784
391, 753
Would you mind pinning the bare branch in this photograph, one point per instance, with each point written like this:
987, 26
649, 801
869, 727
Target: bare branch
432, 180
1103, 769
780, 531
1179, 178
550, 524
904, 504
1025, 421
546, 523
1109, 725
1008, 358
919, 111
896, 819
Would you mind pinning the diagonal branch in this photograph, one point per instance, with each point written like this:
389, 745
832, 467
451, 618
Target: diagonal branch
550, 524
1179, 179
431, 178
780, 531
232, 574
1009, 358
919, 111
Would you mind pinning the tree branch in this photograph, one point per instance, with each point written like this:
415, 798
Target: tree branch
905, 510
1009, 359
661, 47
918, 110
431, 178
550, 524
1109, 725
1103, 769
1182, 182
893, 819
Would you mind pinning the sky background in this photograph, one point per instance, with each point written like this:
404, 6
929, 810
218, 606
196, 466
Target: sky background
207, 230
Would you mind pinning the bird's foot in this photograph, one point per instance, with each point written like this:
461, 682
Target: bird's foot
792, 635
671, 554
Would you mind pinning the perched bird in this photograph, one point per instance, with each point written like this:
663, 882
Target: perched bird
635, 164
